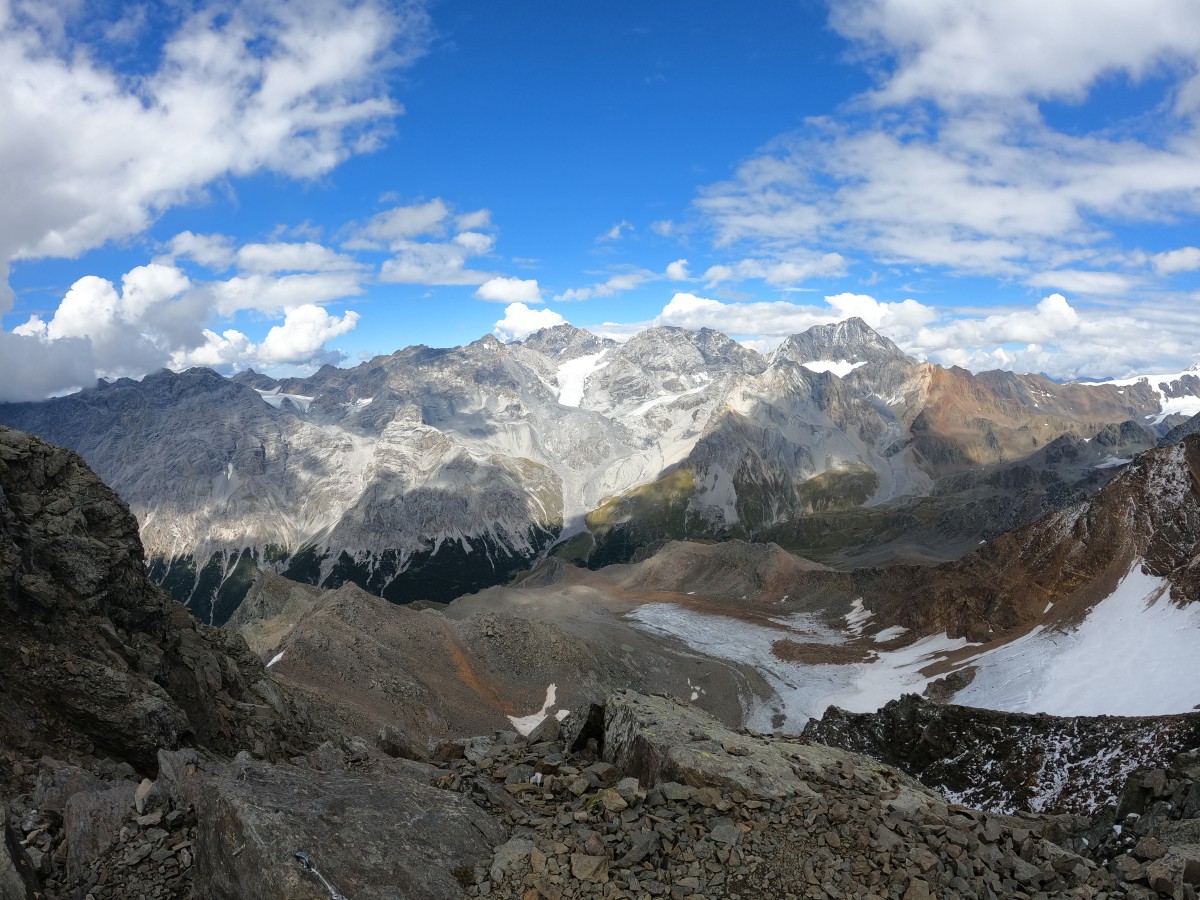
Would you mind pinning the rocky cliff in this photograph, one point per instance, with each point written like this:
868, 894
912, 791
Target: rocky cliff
92, 654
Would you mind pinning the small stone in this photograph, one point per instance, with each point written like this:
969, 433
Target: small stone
593, 869
140, 795
674, 791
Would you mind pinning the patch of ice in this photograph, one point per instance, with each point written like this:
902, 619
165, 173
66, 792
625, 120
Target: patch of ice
276, 658
573, 375
888, 633
1111, 461
839, 367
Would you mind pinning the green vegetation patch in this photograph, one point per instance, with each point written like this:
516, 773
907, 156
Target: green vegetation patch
838, 489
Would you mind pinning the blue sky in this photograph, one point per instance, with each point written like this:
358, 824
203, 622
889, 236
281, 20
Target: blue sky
280, 184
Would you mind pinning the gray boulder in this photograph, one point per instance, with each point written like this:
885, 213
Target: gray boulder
374, 835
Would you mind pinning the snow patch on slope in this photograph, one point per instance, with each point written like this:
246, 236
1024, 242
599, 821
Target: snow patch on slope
525, 724
1134, 655
1168, 406
573, 375
839, 367
275, 398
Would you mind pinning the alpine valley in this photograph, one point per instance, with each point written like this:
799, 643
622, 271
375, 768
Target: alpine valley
567, 618
432, 473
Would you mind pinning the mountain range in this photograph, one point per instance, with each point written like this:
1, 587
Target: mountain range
430, 473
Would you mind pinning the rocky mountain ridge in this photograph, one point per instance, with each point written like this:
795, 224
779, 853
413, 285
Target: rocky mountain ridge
429, 473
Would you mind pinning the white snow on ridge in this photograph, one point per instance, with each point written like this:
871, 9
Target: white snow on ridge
839, 367
670, 398
275, 399
573, 374
1185, 406
1134, 655
276, 658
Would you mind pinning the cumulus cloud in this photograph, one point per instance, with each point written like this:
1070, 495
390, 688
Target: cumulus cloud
302, 336
520, 321
678, 270
517, 291
292, 88
299, 340
1053, 337
161, 317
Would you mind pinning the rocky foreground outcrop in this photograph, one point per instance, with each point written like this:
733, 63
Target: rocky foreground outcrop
644, 797
93, 656
1010, 761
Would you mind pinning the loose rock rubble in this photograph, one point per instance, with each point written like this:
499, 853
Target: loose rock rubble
722, 819
1150, 838
95, 834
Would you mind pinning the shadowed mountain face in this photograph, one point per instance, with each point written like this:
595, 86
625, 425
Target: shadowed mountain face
430, 473
92, 654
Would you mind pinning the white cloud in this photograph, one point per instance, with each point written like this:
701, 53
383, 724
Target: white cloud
678, 270
1054, 337
617, 232
951, 162
298, 341
955, 50
767, 320
292, 257
213, 251
302, 336
473, 221
776, 272
619, 283
520, 321
161, 317
664, 227
399, 224
273, 294
289, 87
1109, 284
1185, 259
517, 291
430, 243
430, 262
